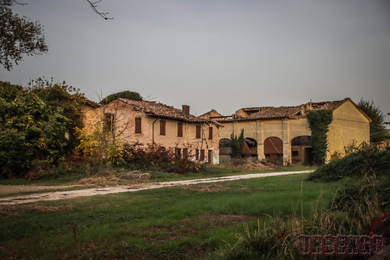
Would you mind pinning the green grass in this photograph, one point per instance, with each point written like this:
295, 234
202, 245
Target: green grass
163, 223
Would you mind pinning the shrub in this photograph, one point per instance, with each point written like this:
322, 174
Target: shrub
156, 157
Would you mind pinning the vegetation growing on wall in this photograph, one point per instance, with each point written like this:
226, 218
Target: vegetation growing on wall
319, 121
36, 125
237, 144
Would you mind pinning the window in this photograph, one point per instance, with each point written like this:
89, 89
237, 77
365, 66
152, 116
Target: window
180, 129
295, 153
109, 120
197, 131
210, 132
202, 155
162, 127
197, 154
185, 153
178, 153
138, 125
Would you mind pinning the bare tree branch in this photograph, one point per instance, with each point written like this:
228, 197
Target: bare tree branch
94, 7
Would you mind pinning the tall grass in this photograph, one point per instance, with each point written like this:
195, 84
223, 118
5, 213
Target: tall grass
278, 238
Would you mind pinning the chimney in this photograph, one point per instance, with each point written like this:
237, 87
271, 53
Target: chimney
186, 110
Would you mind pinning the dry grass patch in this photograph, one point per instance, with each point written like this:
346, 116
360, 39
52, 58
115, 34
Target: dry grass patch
15, 210
224, 220
100, 181
205, 188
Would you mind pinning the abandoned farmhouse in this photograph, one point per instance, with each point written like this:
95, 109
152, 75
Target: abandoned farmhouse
282, 134
148, 122
277, 134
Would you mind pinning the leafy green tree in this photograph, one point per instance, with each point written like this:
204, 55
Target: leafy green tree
35, 125
378, 132
236, 144
18, 36
123, 94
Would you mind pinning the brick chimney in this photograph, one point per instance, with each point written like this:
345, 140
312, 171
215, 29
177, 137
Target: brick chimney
186, 110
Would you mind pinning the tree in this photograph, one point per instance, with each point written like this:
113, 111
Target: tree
18, 36
94, 7
35, 125
237, 144
123, 94
378, 131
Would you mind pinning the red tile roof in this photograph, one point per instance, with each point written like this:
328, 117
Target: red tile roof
155, 109
285, 112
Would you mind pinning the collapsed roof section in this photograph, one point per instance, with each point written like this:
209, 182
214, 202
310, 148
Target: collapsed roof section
269, 113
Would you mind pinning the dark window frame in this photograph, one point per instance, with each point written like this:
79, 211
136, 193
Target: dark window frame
202, 155
163, 127
180, 129
210, 133
198, 131
138, 125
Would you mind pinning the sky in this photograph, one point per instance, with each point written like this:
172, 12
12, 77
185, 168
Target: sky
215, 54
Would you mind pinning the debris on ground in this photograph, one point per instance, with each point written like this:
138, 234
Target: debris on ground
100, 181
205, 188
252, 163
137, 175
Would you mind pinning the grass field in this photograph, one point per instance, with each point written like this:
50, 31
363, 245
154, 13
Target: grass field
189, 222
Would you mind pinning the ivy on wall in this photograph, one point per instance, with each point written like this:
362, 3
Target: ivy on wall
319, 121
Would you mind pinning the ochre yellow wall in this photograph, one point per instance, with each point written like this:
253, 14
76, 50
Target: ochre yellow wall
349, 125
285, 129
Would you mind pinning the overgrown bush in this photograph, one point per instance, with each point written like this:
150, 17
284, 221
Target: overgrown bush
354, 165
156, 157
36, 124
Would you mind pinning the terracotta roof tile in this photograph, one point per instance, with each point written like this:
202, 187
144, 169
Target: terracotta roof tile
153, 108
287, 112
91, 103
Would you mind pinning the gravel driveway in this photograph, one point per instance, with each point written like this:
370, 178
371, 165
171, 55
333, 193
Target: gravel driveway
57, 195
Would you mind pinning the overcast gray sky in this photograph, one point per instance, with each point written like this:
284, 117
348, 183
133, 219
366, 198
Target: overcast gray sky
220, 55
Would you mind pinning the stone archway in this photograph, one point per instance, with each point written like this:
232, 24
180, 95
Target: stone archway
273, 150
301, 151
250, 147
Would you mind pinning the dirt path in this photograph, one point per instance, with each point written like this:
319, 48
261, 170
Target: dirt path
57, 195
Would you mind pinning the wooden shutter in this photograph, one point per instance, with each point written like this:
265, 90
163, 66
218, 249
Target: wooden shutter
210, 156
197, 154
180, 129
185, 153
210, 132
109, 120
197, 131
162, 127
177, 153
202, 155
138, 125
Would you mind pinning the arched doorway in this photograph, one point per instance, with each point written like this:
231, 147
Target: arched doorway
249, 147
301, 150
273, 150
